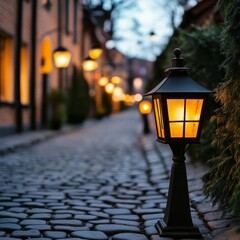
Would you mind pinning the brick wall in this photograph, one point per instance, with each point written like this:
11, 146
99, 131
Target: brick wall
47, 24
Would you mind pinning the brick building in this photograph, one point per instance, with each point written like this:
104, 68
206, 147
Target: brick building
37, 28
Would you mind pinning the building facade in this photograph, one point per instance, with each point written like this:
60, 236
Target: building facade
29, 33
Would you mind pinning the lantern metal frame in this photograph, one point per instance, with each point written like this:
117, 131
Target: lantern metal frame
177, 221
178, 85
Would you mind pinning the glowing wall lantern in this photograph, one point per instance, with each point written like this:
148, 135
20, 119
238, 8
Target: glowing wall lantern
95, 51
179, 104
89, 64
61, 57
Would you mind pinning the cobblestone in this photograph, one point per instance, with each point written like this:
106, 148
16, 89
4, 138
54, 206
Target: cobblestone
96, 183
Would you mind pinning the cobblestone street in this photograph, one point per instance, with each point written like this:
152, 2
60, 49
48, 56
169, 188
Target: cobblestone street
93, 183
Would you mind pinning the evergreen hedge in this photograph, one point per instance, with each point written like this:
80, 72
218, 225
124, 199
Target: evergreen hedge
78, 98
222, 182
201, 50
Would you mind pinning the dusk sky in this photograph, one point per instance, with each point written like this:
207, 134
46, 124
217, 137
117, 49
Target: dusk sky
134, 25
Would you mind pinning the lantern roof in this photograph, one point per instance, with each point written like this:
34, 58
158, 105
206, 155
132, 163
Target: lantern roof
177, 79
60, 49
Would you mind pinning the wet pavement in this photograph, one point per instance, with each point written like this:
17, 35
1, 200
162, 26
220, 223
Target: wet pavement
104, 180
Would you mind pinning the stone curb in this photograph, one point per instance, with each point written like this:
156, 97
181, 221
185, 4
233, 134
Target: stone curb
16, 142
217, 225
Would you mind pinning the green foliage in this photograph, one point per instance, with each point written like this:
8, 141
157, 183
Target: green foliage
162, 62
78, 98
106, 102
222, 182
201, 50
56, 101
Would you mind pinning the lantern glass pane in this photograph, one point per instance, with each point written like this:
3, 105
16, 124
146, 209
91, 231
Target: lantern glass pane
176, 129
159, 118
193, 109
175, 109
191, 129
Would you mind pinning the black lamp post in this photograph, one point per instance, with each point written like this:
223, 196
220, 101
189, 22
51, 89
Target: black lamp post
145, 108
179, 104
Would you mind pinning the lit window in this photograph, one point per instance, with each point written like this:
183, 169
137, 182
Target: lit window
24, 86
6, 69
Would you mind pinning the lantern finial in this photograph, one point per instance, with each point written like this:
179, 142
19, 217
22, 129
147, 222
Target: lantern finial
177, 52
178, 61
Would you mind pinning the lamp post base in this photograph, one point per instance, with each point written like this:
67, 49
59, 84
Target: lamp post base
191, 232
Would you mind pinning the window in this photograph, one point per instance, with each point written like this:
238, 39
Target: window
24, 86
6, 68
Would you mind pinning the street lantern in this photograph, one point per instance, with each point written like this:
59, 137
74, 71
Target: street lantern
145, 107
89, 64
95, 51
103, 81
179, 104
116, 80
109, 88
61, 57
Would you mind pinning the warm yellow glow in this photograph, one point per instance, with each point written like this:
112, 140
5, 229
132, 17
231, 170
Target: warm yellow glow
145, 107
103, 81
116, 79
6, 73
128, 98
118, 94
176, 129
175, 109
24, 84
138, 97
193, 109
159, 118
109, 88
184, 126
89, 65
95, 53
191, 129
62, 59
46, 57
132, 98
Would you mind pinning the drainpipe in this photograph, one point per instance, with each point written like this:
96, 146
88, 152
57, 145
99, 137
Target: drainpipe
17, 66
60, 70
33, 66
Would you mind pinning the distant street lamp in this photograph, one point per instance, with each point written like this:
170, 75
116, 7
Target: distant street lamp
103, 81
153, 36
116, 80
109, 88
145, 107
179, 104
